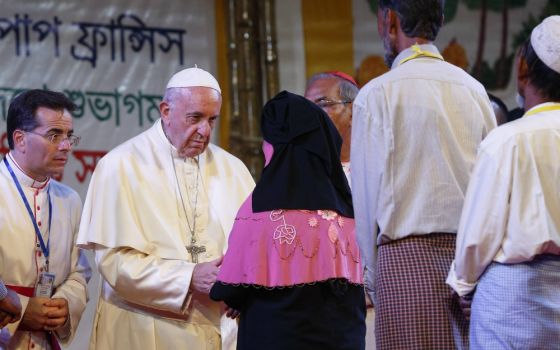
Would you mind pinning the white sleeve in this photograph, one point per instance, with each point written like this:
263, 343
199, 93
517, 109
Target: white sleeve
74, 287
74, 290
365, 161
147, 280
483, 222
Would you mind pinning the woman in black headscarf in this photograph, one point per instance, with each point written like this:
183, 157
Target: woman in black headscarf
292, 268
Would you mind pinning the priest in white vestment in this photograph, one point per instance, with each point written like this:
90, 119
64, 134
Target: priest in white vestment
39, 222
157, 215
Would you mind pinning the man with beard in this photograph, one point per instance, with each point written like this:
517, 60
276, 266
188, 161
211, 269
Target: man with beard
415, 133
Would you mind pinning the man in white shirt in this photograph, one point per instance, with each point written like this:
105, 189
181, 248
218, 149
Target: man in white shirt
39, 223
508, 244
157, 215
415, 132
335, 92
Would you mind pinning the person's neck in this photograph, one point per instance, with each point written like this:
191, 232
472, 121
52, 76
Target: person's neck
534, 98
405, 42
21, 161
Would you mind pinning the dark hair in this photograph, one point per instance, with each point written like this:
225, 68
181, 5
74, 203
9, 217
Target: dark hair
419, 18
545, 80
21, 113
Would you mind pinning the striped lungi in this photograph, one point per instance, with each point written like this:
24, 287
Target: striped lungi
517, 306
415, 308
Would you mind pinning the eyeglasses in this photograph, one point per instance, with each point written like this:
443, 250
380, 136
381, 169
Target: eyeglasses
57, 139
329, 103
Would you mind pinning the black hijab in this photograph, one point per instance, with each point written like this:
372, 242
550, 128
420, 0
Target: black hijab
305, 170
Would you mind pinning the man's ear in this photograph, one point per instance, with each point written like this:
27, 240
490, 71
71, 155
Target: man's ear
393, 24
19, 140
386, 22
164, 110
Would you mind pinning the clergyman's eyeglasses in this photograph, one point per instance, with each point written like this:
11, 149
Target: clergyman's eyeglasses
329, 103
57, 138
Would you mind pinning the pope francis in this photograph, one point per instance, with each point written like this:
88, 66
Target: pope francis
157, 214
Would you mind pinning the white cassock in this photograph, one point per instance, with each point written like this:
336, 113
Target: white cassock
137, 218
21, 262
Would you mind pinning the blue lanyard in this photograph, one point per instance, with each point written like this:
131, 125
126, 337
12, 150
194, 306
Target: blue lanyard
44, 248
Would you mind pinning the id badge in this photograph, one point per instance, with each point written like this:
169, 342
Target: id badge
45, 285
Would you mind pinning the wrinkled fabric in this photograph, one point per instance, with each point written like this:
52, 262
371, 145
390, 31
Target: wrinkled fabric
517, 306
512, 204
290, 247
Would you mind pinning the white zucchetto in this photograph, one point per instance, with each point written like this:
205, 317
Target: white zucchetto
193, 77
545, 40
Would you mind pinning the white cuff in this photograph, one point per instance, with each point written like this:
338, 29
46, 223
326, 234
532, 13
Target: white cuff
460, 286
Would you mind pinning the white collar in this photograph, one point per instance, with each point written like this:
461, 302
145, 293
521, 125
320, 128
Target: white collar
23, 178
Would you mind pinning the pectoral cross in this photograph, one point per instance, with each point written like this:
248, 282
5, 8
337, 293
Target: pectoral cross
194, 250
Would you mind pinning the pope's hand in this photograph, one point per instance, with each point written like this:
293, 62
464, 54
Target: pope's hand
45, 314
10, 308
204, 275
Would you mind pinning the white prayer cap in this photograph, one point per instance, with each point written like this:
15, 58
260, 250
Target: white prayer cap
193, 77
545, 40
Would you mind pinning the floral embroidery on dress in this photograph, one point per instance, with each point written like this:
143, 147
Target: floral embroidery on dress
313, 222
327, 214
276, 215
284, 233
